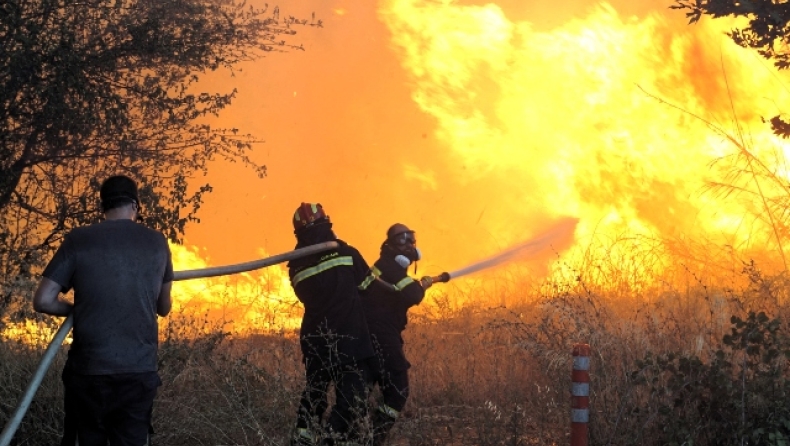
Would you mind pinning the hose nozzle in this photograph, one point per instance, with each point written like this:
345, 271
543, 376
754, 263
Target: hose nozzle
443, 277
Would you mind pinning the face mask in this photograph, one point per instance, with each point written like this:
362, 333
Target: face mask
402, 260
418, 254
411, 256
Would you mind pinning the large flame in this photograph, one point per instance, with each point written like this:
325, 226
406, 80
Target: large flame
606, 118
568, 114
479, 125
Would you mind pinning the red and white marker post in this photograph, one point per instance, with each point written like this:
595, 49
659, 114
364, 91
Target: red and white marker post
580, 394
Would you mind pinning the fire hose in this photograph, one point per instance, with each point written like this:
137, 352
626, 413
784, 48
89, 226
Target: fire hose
49, 355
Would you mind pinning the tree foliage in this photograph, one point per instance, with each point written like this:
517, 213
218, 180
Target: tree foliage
767, 31
90, 88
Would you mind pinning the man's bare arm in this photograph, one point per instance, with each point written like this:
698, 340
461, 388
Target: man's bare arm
164, 303
47, 299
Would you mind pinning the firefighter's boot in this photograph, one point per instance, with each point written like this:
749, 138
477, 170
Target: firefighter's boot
383, 420
302, 436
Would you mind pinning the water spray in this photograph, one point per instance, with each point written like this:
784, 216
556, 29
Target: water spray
65, 328
561, 231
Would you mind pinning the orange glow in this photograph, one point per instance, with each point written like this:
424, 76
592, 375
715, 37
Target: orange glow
480, 123
30, 332
260, 300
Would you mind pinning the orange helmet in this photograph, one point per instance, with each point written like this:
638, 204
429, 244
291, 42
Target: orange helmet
307, 214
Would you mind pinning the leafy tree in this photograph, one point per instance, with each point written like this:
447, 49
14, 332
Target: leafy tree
90, 88
768, 32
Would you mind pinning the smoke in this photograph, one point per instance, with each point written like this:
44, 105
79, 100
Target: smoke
560, 233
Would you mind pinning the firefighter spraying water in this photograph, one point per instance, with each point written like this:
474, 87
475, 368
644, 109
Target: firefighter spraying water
387, 295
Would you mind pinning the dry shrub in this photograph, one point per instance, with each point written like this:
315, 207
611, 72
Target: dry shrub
221, 389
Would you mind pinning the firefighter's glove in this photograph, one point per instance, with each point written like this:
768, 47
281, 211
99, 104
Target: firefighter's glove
426, 282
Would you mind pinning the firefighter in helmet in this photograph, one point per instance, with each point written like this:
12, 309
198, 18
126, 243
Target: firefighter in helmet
387, 294
334, 336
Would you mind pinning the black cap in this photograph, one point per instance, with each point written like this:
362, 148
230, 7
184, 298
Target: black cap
117, 191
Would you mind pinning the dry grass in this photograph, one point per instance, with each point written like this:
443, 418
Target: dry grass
482, 374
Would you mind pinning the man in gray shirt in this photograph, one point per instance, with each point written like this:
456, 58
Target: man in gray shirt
121, 273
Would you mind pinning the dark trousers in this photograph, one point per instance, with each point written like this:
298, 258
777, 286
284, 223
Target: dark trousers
394, 385
70, 417
349, 381
393, 382
114, 409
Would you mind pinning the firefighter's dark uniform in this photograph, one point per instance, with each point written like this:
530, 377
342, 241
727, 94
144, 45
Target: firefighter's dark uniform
334, 336
387, 294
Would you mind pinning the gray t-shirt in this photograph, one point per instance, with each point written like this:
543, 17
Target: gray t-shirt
117, 268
